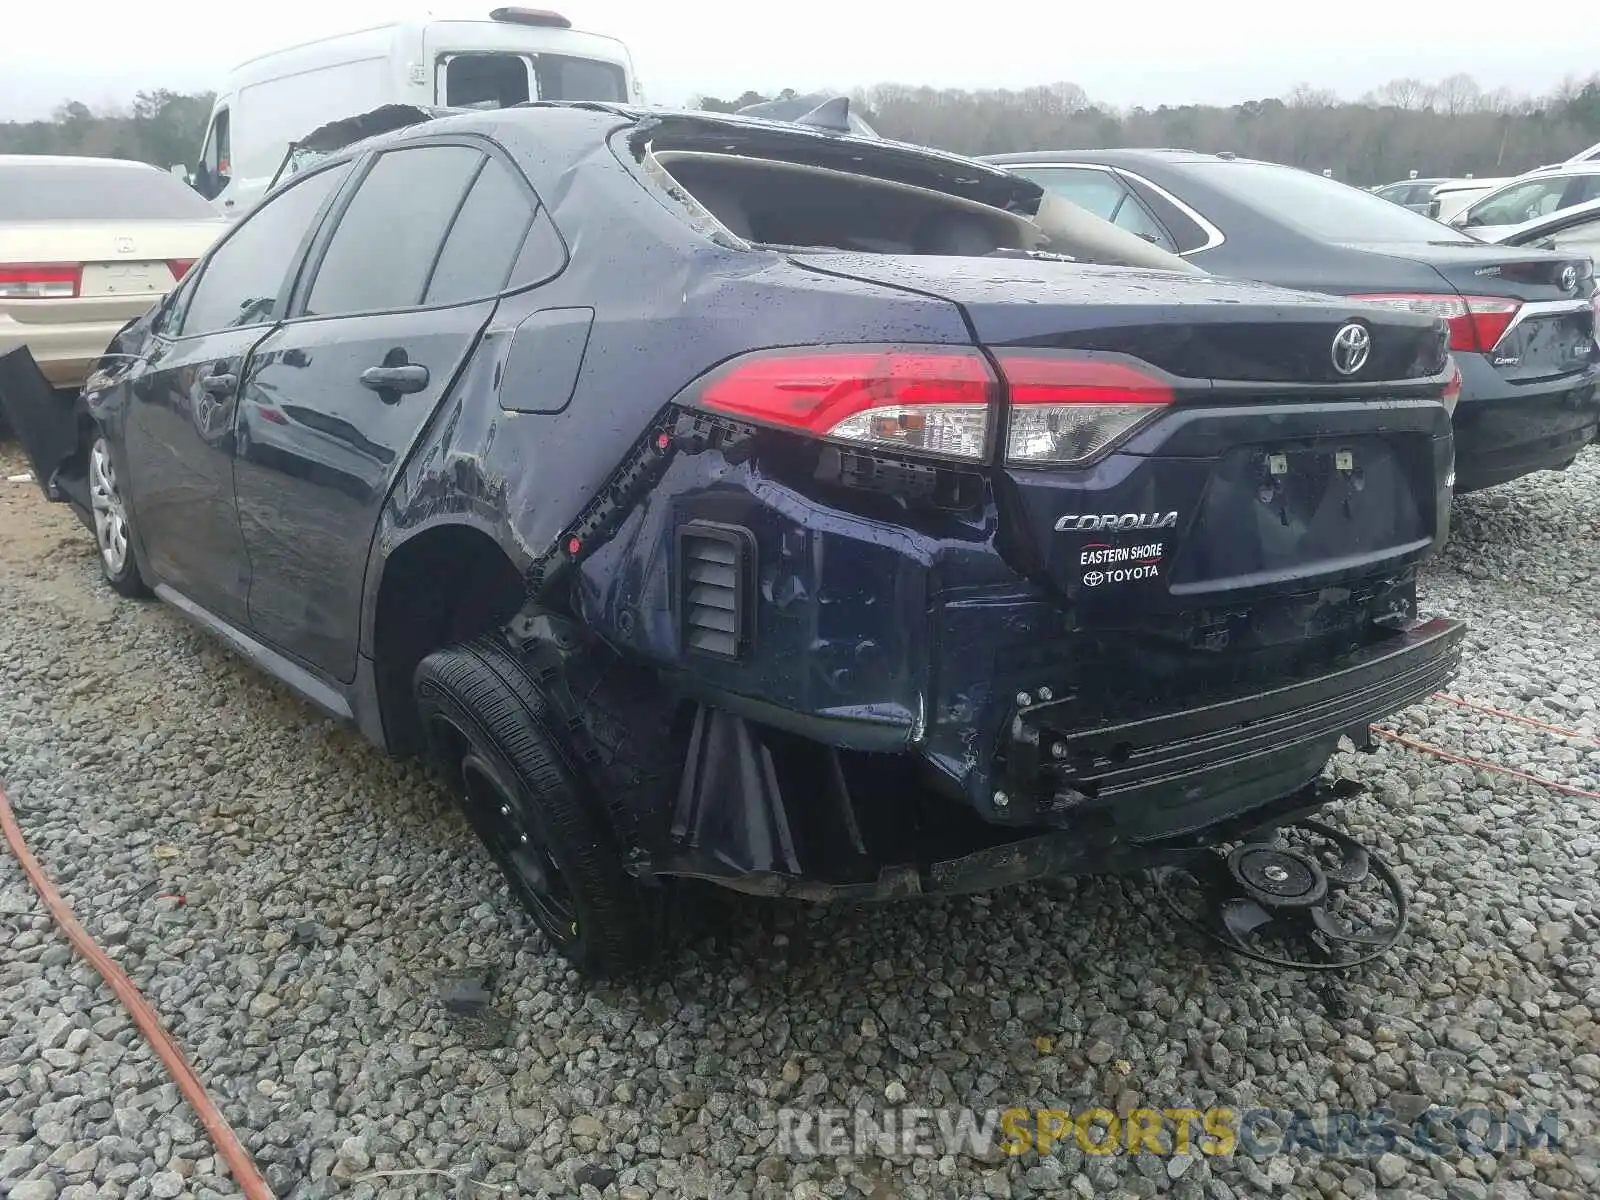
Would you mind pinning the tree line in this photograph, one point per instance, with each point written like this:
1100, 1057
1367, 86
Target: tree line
1450, 127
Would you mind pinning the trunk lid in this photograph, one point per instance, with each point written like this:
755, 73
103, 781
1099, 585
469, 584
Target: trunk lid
1551, 332
1266, 499
118, 260
1199, 327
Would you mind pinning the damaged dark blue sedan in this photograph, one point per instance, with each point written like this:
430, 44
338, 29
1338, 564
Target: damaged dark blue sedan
825, 517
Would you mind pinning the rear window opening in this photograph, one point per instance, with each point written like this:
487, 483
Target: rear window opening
894, 201
799, 206
500, 80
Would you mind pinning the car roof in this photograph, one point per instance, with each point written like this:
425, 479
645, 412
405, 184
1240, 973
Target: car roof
69, 160
575, 126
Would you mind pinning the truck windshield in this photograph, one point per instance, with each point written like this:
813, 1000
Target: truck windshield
499, 80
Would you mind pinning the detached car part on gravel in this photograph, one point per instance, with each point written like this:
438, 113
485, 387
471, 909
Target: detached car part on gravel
774, 507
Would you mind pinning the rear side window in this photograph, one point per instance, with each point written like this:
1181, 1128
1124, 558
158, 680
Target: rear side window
1095, 191
96, 192
485, 238
389, 236
241, 282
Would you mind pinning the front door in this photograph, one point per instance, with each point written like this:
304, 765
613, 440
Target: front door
184, 397
338, 395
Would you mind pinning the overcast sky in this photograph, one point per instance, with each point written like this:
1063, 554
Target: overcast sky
1219, 51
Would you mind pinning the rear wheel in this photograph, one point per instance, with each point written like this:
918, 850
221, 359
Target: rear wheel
113, 529
509, 756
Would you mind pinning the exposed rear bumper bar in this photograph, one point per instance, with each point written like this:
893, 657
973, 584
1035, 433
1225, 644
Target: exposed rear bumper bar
1160, 776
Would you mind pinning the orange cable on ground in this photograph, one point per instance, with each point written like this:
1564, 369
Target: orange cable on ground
145, 1017
1511, 716
1451, 756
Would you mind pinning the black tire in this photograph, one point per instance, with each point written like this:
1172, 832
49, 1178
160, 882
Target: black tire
509, 754
112, 523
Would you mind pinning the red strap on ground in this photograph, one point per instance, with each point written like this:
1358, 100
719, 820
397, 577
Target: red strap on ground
1451, 756
221, 1134
1559, 730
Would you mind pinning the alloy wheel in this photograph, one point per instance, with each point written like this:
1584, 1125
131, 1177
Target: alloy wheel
110, 514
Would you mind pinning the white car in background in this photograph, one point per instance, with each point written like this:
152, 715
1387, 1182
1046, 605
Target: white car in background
1568, 229
1453, 196
86, 245
1529, 197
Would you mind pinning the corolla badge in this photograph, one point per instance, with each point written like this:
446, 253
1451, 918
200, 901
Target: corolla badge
1073, 523
124, 245
1352, 346
1569, 278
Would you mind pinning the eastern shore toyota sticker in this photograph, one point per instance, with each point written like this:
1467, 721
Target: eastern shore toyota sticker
1120, 564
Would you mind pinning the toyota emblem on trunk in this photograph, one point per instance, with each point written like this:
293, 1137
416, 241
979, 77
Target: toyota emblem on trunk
124, 245
1352, 345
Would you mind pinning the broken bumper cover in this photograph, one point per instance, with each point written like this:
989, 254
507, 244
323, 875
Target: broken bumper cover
1170, 774
1097, 798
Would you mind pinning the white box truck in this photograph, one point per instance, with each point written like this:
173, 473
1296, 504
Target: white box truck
515, 55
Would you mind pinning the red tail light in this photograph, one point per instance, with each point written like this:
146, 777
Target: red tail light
180, 267
1477, 323
924, 399
1067, 409
40, 281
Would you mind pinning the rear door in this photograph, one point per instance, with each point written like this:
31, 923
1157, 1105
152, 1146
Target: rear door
403, 284
179, 420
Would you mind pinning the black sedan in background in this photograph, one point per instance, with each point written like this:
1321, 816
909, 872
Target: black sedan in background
1522, 321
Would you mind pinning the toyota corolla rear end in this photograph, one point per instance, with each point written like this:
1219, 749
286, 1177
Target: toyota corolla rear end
1113, 579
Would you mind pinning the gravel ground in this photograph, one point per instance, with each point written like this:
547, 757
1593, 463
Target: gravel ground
290, 901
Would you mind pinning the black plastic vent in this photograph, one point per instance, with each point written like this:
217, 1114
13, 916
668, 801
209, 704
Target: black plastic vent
715, 564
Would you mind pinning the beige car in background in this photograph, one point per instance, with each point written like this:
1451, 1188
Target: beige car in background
86, 245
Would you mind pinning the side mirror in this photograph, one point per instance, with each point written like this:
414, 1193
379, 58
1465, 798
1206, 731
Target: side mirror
179, 171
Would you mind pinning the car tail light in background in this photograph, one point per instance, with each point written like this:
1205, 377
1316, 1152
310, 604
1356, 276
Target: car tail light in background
1477, 323
927, 400
179, 267
40, 281
1068, 409
1065, 408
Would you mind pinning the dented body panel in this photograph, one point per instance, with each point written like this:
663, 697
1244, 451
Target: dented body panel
893, 672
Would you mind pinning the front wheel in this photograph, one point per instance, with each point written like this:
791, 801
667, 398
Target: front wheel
506, 753
113, 529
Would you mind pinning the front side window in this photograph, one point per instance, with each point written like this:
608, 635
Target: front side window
382, 254
216, 160
242, 281
1520, 202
